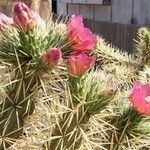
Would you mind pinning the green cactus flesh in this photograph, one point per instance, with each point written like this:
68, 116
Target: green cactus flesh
68, 132
17, 105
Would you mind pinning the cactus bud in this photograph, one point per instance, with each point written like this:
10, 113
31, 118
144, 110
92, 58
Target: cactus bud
79, 64
23, 16
53, 57
110, 92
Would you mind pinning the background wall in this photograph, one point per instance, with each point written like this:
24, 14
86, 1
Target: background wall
120, 11
118, 23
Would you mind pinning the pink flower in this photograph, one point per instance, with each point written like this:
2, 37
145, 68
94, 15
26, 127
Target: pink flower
23, 16
76, 22
53, 57
79, 64
140, 98
81, 38
4, 21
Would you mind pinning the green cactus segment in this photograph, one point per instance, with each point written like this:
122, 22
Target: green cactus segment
11, 129
17, 105
95, 91
67, 134
125, 124
88, 98
143, 46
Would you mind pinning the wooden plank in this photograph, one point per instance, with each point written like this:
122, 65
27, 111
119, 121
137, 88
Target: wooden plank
95, 1
120, 35
87, 11
79, 1
73, 9
103, 13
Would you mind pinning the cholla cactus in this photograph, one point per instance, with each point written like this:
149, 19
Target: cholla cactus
87, 99
92, 79
31, 53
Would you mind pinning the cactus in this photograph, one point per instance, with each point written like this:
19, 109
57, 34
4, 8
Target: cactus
94, 82
124, 128
69, 130
88, 99
89, 95
31, 54
18, 104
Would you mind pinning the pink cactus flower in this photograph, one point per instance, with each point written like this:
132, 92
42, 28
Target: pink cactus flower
80, 37
23, 17
76, 22
80, 63
140, 97
53, 57
4, 21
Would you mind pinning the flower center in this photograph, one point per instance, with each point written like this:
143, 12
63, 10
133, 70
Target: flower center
147, 99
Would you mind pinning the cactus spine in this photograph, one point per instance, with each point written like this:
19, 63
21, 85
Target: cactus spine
69, 130
18, 104
68, 134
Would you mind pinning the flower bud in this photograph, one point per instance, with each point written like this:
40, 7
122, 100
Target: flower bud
53, 57
110, 92
23, 16
79, 64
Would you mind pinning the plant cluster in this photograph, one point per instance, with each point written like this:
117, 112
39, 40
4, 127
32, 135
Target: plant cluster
68, 89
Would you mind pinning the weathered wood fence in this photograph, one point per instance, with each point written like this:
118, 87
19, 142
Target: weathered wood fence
120, 35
